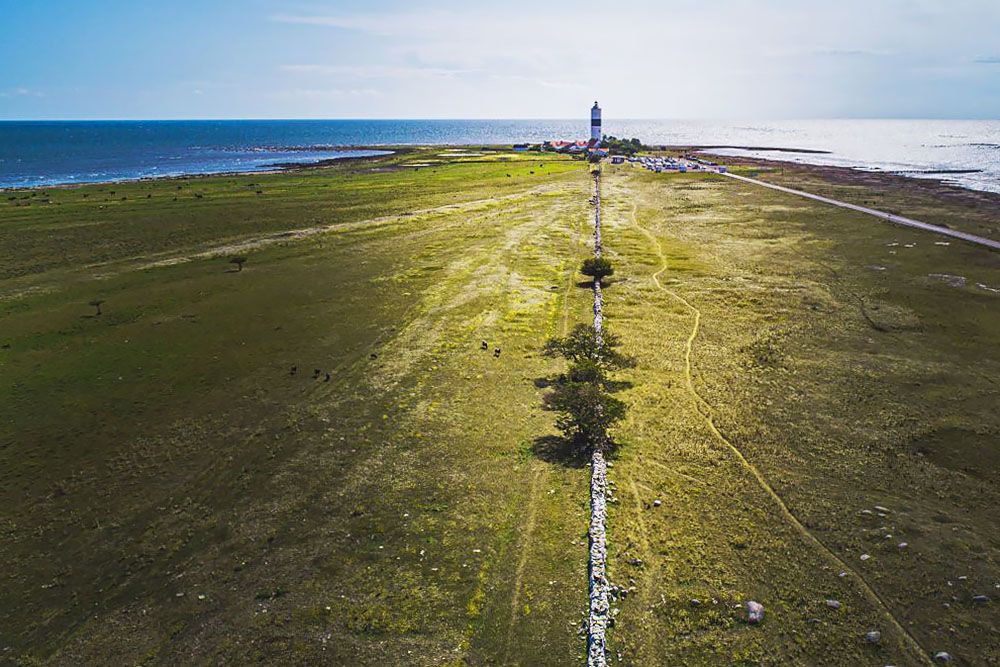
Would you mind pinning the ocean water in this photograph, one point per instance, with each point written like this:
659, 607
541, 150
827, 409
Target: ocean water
40, 153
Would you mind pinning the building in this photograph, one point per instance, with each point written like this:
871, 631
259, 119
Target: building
593, 145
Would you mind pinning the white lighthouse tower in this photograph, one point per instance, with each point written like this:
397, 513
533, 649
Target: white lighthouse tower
595, 123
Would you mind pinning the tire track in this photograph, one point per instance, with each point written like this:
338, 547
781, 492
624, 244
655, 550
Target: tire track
522, 563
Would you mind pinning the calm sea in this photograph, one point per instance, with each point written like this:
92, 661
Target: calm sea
57, 152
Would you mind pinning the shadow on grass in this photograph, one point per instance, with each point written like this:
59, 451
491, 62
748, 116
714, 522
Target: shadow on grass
560, 450
606, 283
612, 386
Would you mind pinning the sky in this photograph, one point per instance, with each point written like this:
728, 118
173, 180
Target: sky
724, 59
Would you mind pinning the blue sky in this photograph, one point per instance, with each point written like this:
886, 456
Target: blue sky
512, 59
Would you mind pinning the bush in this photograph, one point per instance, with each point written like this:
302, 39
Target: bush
621, 146
597, 268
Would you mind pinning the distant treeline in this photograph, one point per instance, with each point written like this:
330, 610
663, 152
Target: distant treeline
621, 146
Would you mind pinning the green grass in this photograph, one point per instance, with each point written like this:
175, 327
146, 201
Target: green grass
164, 448
399, 514
847, 386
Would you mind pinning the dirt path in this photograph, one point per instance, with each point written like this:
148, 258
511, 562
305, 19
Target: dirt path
705, 410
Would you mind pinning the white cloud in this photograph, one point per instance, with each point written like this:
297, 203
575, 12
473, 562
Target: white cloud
21, 92
374, 71
329, 93
398, 23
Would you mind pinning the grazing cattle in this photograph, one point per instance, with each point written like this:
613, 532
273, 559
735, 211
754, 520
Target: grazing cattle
496, 353
484, 346
316, 372
327, 378
373, 356
295, 369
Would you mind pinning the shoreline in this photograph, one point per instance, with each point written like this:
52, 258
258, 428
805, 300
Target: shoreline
274, 168
837, 173
928, 174
937, 187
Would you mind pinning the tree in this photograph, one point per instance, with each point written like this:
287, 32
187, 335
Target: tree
581, 346
582, 395
96, 303
586, 413
621, 146
239, 262
597, 268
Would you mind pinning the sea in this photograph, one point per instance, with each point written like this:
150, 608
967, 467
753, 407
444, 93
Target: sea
46, 153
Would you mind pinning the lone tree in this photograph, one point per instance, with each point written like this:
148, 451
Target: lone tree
586, 412
239, 262
96, 303
582, 395
597, 268
581, 348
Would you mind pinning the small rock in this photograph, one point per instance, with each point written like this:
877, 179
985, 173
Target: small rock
657, 503
842, 575
981, 599
833, 604
755, 612
201, 597
873, 637
879, 508
903, 545
865, 556
695, 603
942, 656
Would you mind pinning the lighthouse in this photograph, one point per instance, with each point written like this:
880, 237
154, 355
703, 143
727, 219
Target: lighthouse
595, 123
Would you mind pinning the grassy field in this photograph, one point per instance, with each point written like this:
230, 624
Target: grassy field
834, 368
174, 493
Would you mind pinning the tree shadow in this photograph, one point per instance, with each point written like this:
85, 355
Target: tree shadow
560, 450
606, 283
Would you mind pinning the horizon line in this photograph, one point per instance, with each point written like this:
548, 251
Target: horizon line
485, 119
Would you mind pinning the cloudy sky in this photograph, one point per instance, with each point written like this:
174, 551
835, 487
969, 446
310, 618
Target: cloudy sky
513, 59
